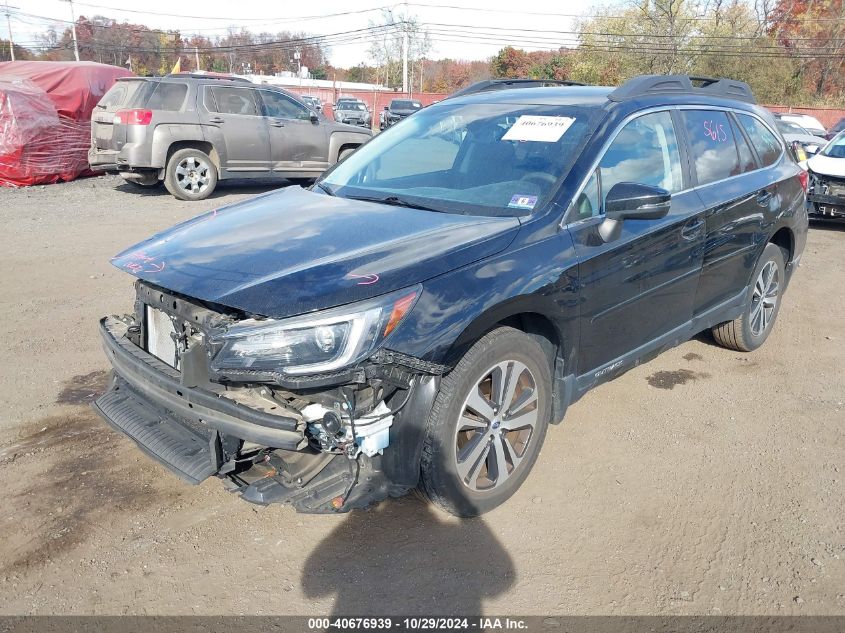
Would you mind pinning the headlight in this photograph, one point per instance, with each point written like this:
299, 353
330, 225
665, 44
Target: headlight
318, 342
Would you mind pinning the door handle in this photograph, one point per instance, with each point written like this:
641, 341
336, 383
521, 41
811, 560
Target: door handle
277, 123
763, 197
692, 229
216, 119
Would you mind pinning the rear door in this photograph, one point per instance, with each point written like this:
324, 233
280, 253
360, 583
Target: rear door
297, 144
639, 287
736, 195
232, 115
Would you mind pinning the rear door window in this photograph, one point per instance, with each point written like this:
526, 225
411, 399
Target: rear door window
747, 161
645, 152
767, 145
232, 101
712, 144
168, 96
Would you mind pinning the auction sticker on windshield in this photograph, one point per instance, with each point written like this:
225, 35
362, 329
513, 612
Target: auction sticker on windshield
546, 129
520, 201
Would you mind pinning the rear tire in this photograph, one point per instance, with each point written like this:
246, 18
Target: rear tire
487, 424
190, 175
763, 300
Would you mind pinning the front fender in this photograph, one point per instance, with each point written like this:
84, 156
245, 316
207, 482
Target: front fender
339, 139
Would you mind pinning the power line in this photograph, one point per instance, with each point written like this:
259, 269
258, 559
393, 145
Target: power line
546, 14
229, 19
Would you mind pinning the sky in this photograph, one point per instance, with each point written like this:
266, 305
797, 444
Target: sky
492, 23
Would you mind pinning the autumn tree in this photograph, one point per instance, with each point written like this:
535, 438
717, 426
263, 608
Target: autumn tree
813, 34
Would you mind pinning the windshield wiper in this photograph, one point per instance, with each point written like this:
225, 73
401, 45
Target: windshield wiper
395, 201
325, 188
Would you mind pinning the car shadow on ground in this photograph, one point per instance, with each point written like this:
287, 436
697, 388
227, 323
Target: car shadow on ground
224, 188
837, 226
403, 557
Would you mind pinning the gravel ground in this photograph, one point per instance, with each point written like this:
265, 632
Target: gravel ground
704, 482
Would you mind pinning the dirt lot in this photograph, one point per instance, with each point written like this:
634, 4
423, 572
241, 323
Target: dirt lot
705, 482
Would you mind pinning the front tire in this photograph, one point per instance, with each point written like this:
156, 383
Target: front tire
763, 300
487, 424
190, 175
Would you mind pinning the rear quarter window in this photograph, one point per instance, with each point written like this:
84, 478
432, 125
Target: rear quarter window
119, 95
712, 144
767, 145
168, 97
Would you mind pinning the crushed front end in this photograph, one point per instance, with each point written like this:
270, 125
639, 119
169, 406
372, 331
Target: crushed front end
825, 196
306, 411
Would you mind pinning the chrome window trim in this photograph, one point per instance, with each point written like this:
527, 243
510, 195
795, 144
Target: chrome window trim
668, 108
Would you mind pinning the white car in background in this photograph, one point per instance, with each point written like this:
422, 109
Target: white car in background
794, 133
809, 123
826, 191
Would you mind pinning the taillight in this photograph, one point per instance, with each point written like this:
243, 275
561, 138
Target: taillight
133, 117
804, 179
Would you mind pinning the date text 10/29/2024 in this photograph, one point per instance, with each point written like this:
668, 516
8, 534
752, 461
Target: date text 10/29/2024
416, 624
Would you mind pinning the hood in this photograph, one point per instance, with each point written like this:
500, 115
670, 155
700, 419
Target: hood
827, 166
294, 251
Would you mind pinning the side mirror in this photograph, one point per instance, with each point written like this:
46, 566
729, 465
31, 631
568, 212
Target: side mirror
632, 201
314, 118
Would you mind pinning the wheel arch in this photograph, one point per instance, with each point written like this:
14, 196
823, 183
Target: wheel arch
204, 146
339, 141
785, 239
531, 316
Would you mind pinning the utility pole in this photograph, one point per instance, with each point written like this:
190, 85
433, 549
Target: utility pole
405, 57
9, 24
298, 57
197, 57
73, 30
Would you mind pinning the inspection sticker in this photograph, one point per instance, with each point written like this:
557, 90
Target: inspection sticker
546, 129
520, 201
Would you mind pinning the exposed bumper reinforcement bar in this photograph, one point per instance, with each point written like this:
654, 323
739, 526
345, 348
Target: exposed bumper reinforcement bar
155, 392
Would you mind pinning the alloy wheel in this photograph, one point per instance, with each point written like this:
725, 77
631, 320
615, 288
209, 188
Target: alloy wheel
496, 426
765, 298
192, 175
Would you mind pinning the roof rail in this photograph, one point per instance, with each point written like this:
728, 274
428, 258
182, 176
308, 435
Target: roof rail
209, 76
646, 85
505, 84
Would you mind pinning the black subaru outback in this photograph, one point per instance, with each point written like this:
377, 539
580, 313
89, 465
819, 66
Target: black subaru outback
423, 313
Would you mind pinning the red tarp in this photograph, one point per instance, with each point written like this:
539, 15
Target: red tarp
45, 118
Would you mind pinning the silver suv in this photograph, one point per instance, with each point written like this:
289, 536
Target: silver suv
192, 130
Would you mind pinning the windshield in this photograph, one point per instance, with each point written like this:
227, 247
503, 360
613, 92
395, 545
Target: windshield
350, 105
808, 123
788, 127
483, 159
397, 104
836, 148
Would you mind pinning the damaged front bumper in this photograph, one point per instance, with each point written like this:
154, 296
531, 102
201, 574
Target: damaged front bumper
148, 402
826, 196
266, 453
